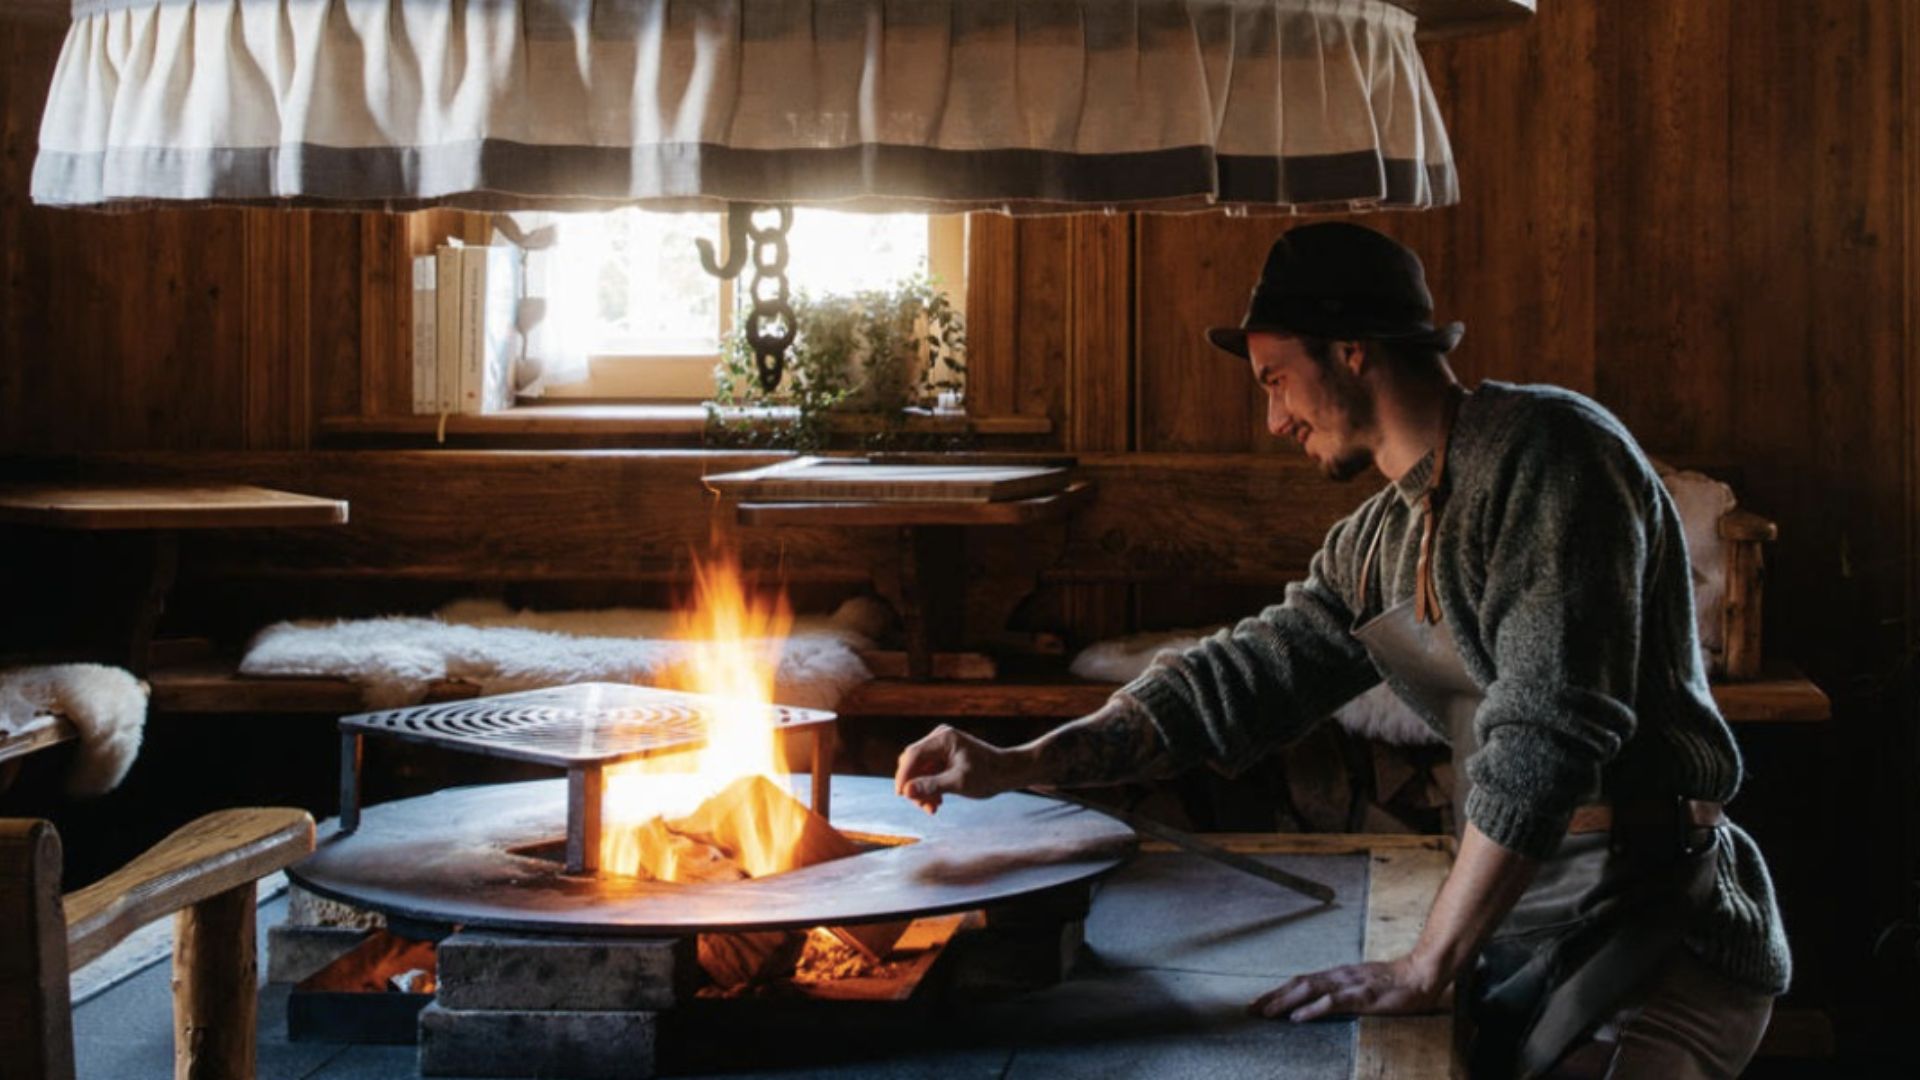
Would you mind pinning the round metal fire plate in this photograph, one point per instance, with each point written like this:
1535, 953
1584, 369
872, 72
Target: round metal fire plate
452, 858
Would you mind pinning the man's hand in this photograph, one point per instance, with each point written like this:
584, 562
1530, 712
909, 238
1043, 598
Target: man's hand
1396, 986
951, 762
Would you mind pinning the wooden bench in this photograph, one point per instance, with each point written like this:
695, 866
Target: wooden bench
205, 871
1782, 696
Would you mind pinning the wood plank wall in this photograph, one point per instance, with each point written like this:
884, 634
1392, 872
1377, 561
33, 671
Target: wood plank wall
1701, 213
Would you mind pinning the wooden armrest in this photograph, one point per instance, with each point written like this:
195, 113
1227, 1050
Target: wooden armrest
1738, 524
202, 859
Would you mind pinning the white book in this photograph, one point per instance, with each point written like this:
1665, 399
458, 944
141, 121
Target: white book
488, 340
426, 358
447, 330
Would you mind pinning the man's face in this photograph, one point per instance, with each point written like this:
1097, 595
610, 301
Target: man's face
1323, 405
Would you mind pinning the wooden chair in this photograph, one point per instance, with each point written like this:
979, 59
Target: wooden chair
205, 872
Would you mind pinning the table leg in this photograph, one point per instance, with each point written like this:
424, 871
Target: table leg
824, 744
163, 563
932, 575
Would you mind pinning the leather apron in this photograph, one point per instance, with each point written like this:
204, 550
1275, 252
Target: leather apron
1602, 914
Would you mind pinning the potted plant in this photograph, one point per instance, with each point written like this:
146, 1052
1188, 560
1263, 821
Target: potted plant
878, 353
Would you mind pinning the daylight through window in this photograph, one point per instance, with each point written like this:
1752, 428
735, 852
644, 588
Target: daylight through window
652, 320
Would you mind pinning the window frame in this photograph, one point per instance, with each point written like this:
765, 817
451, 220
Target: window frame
688, 378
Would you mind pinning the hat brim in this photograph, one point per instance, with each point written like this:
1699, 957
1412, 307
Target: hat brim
1233, 339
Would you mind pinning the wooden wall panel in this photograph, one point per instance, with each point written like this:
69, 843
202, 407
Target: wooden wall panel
277, 356
1666, 301
336, 308
1194, 272
1041, 333
993, 291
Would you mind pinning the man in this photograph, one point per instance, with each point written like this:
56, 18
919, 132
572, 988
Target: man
1522, 582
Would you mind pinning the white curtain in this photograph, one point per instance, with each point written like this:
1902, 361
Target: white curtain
942, 105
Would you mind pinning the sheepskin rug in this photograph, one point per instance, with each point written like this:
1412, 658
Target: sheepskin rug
394, 660
106, 705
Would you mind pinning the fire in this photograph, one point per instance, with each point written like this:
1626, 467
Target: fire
661, 817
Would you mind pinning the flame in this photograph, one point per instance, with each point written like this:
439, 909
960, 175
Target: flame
732, 639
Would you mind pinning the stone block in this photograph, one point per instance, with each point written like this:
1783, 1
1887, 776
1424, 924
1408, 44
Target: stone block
579, 1045
1012, 959
483, 970
306, 909
295, 952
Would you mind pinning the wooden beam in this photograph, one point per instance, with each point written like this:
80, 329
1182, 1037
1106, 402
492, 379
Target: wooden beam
36, 1018
1401, 886
215, 1008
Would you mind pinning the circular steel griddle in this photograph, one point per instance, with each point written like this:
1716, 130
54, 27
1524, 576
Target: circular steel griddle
450, 858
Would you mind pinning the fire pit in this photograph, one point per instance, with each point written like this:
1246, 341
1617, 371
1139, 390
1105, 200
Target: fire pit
671, 863
469, 857
554, 962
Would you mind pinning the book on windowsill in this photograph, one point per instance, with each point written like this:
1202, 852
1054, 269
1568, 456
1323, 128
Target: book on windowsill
811, 479
465, 299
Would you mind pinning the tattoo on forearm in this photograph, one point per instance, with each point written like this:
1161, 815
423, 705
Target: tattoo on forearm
1116, 745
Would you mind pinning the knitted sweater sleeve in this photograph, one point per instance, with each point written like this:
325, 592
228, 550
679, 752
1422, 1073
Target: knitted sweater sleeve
1566, 537
1270, 678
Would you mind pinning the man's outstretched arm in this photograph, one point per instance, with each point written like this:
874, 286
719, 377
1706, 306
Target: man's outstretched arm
1112, 746
1484, 884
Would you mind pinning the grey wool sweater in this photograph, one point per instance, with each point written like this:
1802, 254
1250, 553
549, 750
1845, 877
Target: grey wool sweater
1562, 572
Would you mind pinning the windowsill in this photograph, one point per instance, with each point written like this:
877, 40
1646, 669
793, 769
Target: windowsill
677, 421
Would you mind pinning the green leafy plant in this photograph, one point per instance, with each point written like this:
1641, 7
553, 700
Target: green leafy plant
879, 353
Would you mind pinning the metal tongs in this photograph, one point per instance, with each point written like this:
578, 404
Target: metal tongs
1189, 842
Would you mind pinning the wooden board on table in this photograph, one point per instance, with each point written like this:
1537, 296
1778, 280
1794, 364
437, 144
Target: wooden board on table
853, 479
97, 506
1036, 510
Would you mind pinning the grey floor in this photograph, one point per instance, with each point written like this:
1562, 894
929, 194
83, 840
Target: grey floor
1177, 947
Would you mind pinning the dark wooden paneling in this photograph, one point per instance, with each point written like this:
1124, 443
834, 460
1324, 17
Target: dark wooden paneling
278, 346
1041, 334
335, 243
992, 311
1666, 306
1249, 519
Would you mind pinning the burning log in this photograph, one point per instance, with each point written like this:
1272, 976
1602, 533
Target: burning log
752, 828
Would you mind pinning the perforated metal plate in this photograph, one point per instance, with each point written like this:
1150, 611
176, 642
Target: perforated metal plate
565, 726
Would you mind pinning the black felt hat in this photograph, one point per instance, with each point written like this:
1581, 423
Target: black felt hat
1342, 282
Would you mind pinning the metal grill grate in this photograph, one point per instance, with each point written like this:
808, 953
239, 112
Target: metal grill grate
567, 726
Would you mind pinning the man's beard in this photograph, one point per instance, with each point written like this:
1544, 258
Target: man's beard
1354, 403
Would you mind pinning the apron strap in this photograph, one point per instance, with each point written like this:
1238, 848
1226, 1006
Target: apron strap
1645, 928
1426, 601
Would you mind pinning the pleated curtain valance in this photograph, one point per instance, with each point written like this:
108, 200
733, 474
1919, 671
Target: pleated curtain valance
943, 105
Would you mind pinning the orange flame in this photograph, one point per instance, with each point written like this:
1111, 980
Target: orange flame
732, 640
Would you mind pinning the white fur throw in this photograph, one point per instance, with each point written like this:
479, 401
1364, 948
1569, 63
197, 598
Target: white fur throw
394, 660
106, 705
1378, 713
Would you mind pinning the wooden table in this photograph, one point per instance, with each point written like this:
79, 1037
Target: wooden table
153, 514
932, 552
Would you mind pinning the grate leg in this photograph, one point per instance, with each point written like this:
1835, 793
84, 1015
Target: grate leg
585, 786
351, 750
823, 748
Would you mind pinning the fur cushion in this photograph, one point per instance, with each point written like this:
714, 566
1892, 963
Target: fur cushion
394, 660
106, 705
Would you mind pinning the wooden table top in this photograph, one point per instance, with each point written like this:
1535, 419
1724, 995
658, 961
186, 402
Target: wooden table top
163, 505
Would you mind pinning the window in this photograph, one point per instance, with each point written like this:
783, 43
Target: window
652, 320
